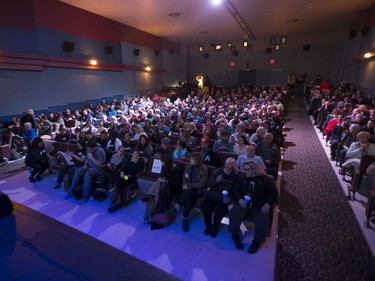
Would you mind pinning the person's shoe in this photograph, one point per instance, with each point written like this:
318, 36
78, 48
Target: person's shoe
38, 177
84, 200
114, 207
207, 230
237, 242
254, 247
31, 179
69, 195
58, 185
185, 225
214, 232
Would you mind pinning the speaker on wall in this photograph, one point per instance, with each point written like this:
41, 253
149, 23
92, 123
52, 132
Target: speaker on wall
108, 50
6, 206
365, 31
68, 46
136, 52
353, 33
206, 55
268, 50
156, 52
306, 47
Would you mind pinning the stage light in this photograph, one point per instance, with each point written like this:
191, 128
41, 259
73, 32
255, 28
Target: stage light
93, 62
245, 43
229, 45
218, 47
200, 48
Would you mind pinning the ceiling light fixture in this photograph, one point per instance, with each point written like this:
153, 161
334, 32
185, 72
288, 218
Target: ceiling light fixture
245, 43
229, 45
174, 14
291, 20
200, 48
93, 62
218, 47
283, 39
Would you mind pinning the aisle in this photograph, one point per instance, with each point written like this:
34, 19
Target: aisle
319, 237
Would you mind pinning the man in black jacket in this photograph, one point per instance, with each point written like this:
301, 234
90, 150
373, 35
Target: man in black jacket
254, 195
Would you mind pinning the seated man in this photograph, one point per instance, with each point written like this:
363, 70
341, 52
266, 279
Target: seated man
222, 179
111, 170
94, 161
270, 154
260, 190
130, 170
223, 144
193, 181
36, 159
29, 133
77, 158
251, 156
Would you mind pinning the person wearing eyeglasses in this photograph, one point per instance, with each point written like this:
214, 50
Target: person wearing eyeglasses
109, 173
254, 195
216, 202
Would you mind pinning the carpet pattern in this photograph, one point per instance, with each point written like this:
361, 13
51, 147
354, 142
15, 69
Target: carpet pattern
319, 236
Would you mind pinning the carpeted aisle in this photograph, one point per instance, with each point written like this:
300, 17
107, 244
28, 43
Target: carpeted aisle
319, 237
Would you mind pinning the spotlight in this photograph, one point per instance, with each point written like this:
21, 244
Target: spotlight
93, 62
229, 45
148, 68
283, 39
277, 47
245, 43
200, 48
218, 47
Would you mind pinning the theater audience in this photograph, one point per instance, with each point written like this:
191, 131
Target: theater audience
36, 159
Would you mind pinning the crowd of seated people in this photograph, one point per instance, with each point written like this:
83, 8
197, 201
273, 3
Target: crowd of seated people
346, 118
116, 140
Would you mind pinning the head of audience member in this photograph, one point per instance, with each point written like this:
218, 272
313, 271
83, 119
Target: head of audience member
261, 132
251, 169
268, 139
224, 136
242, 140
240, 128
143, 140
230, 165
181, 145
196, 159
27, 126
354, 129
128, 136
135, 154
251, 150
92, 146
364, 137
165, 142
205, 143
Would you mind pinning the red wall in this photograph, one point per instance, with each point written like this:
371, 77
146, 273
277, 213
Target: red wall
17, 14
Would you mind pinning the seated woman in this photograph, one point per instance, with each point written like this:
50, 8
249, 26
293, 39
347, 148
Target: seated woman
241, 147
357, 149
181, 151
260, 190
37, 159
145, 147
157, 198
194, 180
